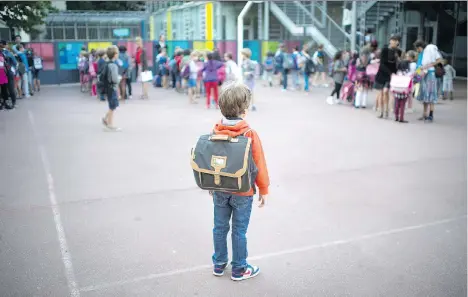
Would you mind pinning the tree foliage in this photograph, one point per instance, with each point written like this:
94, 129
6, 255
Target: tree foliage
25, 15
106, 5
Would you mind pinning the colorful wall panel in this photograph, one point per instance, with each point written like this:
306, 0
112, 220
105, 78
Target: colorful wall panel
290, 45
269, 46
203, 45
171, 45
46, 51
69, 53
99, 45
254, 46
228, 47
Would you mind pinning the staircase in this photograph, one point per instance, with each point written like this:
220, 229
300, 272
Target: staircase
297, 16
375, 12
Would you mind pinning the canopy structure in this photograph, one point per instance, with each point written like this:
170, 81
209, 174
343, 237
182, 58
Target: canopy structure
81, 17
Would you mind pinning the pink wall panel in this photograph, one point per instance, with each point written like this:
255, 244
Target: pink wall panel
46, 51
132, 48
228, 47
291, 44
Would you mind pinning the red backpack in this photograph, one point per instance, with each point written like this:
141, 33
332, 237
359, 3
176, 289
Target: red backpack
222, 74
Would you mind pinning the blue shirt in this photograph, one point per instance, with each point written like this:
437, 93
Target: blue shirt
22, 56
10, 57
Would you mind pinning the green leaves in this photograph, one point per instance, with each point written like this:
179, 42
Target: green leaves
25, 14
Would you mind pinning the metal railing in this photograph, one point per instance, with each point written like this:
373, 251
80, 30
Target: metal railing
334, 32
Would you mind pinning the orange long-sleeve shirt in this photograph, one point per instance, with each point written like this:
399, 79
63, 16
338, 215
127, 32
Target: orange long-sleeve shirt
262, 181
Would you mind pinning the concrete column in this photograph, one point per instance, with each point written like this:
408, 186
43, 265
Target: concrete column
231, 22
259, 21
353, 26
266, 21
219, 21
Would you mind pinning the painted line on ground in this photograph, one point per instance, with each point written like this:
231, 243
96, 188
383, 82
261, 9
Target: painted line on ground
274, 254
66, 257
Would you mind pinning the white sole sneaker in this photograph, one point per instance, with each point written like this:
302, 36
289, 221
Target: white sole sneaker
250, 272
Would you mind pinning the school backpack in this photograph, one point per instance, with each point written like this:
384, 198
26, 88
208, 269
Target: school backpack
439, 71
269, 64
123, 58
309, 66
224, 163
81, 64
37, 63
3, 63
279, 60
288, 62
186, 71
103, 79
222, 74
295, 58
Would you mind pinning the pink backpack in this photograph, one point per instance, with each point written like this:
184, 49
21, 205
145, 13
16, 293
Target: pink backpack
351, 72
371, 71
401, 84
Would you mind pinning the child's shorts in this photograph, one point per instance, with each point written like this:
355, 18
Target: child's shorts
113, 100
192, 83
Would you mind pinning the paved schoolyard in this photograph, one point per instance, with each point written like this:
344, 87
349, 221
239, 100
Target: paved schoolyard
358, 206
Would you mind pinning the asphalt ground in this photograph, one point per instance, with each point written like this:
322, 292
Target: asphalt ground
358, 206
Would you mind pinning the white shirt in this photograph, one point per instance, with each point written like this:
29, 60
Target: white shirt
430, 55
412, 68
347, 19
193, 70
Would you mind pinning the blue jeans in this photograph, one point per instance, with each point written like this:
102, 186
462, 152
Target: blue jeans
240, 207
285, 78
306, 81
295, 78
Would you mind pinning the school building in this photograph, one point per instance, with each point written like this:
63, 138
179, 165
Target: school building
209, 24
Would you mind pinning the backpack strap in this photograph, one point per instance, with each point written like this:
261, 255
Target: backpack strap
245, 133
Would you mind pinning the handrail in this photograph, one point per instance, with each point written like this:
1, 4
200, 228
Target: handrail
333, 22
364, 7
304, 9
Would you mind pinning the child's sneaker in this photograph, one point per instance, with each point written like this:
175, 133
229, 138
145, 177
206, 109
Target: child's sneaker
249, 272
218, 270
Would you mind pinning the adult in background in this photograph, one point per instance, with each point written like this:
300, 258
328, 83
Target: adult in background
161, 44
19, 50
141, 62
429, 56
389, 58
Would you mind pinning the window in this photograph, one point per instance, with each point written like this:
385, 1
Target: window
69, 33
58, 33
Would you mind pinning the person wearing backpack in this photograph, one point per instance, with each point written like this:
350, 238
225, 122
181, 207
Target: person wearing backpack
123, 70
3, 80
232, 139
280, 60
296, 60
110, 79
101, 63
10, 68
320, 78
308, 66
269, 67
37, 67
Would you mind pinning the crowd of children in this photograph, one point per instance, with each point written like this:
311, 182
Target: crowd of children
20, 69
393, 73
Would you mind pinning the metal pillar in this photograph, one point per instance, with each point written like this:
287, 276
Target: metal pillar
353, 26
266, 21
219, 21
240, 30
259, 21
455, 33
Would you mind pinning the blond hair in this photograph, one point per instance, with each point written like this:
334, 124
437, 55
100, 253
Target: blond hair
234, 99
246, 52
111, 52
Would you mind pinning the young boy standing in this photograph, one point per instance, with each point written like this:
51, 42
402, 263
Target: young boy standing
111, 74
234, 103
450, 74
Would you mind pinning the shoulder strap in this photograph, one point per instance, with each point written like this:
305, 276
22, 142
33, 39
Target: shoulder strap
245, 133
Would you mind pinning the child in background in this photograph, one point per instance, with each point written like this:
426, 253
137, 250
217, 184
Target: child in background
111, 71
411, 58
362, 83
232, 70
248, 72
234, 103
93, 75
200, 76
162, 61
296, 68
18, 77
404, 68
269, 67
211, 79
192, 80
450, 74
338, 74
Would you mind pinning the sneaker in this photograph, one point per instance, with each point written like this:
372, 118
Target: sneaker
114, 129
28, 96
429, 119
130, 97
283, 90
218, 270
249, 272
